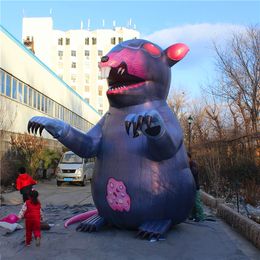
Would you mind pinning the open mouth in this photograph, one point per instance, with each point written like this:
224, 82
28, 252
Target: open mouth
119, 79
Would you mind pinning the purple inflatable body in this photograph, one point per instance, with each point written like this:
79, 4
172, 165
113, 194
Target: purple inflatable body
142, 179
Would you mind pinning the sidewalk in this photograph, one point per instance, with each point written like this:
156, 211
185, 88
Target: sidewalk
189, 240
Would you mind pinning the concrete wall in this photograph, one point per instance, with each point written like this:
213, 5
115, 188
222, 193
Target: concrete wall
245, 226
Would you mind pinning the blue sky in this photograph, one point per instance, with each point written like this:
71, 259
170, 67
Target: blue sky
196, 23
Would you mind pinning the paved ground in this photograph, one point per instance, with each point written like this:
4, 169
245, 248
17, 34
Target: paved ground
189, 240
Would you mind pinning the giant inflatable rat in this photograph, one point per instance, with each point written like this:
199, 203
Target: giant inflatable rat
142, 178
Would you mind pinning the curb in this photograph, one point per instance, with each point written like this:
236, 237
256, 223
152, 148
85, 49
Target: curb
244, 225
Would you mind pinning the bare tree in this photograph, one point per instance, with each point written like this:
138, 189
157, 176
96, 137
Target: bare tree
239, 66
178, 103
213, 112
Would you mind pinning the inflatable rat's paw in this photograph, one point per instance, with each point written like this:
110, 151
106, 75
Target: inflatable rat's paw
154, 230
53, 126
93, 223
149, 123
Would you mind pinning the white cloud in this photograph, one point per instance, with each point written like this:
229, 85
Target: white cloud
193, 34
198, 37
199, 63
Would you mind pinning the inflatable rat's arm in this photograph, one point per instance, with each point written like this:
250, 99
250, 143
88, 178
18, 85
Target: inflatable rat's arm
161, 144
83, 144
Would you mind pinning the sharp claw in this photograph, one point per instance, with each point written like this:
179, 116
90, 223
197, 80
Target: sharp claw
151, 236
148, 121
127, 126
139, 121
29, 126
78, 227
86, 228
36, 128
92, 228
136, 134
33, 127
135, 129
145, 234
41, 129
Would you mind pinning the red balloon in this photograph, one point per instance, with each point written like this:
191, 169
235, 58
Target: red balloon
11, 218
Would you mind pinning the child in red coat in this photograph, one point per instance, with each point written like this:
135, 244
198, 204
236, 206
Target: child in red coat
24, 183
32, 213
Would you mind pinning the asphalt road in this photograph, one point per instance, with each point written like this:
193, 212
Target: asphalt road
189, 240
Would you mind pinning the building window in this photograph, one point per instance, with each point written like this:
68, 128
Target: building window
20, 92
14, 89
60, 41
100, 53
56, 110
43, 103
100, 101
30, 97
99, 75
2, 79
120, 39
86, 41
34, 98
86, 78
67, 41
100, 111
100, 90
39, 101
73, 65
113, 40
60, 54
50, 107
73, 78
87, 99
94, 41
86, 53
8, 86
60, 65
87, 88
73, 53
25, 94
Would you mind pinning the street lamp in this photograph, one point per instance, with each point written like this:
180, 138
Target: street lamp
190, 119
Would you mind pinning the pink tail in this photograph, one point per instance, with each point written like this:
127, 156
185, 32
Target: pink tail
80, 217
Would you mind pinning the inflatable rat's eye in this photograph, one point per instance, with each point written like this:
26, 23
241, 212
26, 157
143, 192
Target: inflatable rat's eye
152, 49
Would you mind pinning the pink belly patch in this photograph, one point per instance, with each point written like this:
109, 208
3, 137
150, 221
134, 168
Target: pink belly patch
117, 197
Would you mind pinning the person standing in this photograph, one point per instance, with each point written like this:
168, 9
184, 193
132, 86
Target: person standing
31, 211
197, 212
24, 183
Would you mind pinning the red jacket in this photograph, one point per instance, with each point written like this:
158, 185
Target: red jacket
24, 180
33, 211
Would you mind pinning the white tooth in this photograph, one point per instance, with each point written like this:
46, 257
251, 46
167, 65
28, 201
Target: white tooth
119, 70
122, 71
102, 71
107, 71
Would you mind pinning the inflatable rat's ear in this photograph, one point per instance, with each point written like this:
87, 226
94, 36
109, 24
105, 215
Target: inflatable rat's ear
175, 53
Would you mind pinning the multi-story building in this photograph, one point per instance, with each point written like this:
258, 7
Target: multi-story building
30, 88
74, 54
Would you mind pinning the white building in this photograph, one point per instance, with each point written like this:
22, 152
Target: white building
74, 54
29, 88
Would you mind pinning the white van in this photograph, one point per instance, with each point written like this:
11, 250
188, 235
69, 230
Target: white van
73, 168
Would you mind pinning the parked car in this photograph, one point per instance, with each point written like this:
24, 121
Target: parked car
73, 168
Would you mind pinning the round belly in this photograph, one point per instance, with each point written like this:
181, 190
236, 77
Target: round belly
129, 192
